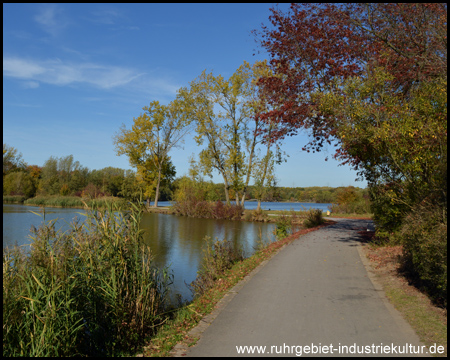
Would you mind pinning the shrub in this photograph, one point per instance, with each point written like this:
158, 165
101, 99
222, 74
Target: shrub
361, 206
220, 210
314, 218
424, 234
256, 215
218, 257
283, 226
192, 205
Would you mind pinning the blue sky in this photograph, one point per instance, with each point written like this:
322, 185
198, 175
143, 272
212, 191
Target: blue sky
73, 73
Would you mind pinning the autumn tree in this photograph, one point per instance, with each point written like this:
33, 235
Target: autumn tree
152, 136
148, 176
264, 175
224, 111
12, 160
372, 78
19, 183
339, 65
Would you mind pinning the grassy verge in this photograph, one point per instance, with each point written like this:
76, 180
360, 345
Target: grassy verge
185, 318
428, 320
77, 202
13, 199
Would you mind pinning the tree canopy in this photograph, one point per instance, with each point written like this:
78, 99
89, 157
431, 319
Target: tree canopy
148, 143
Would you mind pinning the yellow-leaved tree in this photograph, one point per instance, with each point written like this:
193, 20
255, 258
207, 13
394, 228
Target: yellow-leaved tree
225, 112
148, 143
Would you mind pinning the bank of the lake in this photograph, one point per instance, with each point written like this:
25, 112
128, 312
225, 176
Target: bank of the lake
176, 242
78, 202
203, 307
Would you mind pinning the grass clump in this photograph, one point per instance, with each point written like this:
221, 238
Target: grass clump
56, 201
256, 215
77, 202
90, 291
14, 199
314, 217
218, 258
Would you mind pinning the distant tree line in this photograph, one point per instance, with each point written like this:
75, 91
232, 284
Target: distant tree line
64, 176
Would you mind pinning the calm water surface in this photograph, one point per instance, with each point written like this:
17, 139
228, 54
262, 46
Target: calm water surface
176, 242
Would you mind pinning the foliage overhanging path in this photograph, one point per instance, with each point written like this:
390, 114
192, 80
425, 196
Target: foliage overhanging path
315, 291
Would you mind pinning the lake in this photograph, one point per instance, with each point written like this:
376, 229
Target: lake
176, 241
251, 205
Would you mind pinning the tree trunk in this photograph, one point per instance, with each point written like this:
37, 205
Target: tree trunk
157, 187
249, 168
243, 196
227, 195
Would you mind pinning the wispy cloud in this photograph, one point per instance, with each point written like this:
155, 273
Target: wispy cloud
51, 18
22, 69
104, 16
57, 72
30, 84
62, 73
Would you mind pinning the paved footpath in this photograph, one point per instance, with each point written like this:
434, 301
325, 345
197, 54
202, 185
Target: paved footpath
315, 292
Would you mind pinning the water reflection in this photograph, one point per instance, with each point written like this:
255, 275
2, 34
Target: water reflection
176, 242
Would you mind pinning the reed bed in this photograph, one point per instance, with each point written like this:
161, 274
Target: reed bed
77, 202
14, 199
90, 291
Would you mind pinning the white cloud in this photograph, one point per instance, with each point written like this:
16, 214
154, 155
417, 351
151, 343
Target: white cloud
30, 84
62, 73
57, 72
51, 19
23, 69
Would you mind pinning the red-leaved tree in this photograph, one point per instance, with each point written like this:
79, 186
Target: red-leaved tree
315, 45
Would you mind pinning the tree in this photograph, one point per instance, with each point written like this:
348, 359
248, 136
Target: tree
316, 44
131, 188
147, 175
396, 140
12, 160
19, 183
335, 65
264, 176
50, 182
152, 137
108, 179
224, 111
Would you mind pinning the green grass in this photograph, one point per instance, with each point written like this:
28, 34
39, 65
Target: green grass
76, 202
13, 199
430, 326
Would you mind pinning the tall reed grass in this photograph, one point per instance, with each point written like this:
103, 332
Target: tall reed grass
218, 257
75, 201
14, 199
90, 291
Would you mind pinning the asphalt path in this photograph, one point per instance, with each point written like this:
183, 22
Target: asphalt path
314, 298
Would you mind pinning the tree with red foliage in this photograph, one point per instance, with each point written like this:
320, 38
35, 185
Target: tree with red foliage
373, 77
315, 44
